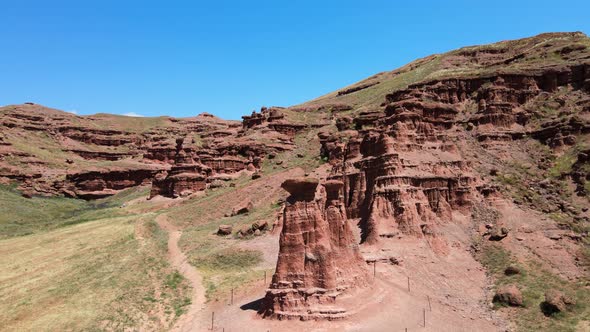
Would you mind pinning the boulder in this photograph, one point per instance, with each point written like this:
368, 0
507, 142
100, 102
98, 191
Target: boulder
555, 302
509, 295
243, 207
497, 233
260, 225
511, 270
246, 230
224, 230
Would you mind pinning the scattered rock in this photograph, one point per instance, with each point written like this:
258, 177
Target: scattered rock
509, 295
498, 233
555, 301
216, 184
260, 225
242, 208
224, 230
246, 230
511, 270
395, 261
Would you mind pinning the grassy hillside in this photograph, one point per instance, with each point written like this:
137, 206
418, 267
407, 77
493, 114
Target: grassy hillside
22, 216
85, 266
514, 55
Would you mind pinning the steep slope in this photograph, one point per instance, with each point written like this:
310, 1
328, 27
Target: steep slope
490, 138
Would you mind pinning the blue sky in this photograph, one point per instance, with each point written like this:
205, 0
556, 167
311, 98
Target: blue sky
182, 58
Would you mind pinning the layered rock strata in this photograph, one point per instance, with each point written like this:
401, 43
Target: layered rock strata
185, 177
50, 152
319, 257
404, 172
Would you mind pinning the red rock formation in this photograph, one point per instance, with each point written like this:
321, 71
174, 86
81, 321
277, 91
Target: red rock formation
318, 257
102, 155
213, 147
187, 176
103, 183
409, 175
266, 115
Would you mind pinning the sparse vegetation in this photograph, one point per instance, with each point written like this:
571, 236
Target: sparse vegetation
78, 265
96, 275
534, 280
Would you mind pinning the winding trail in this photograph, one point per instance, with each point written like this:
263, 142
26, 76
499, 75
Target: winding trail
190, 320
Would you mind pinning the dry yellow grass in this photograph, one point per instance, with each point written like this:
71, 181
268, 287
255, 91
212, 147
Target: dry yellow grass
99, 275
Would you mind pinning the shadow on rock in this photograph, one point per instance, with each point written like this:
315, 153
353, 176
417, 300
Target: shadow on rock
254, 305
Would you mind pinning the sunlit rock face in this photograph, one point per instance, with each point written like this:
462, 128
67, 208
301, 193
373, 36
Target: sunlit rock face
318, 258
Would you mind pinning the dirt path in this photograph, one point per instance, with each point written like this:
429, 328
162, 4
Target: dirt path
190, 320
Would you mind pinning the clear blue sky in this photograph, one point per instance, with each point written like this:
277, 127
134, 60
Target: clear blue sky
181, 58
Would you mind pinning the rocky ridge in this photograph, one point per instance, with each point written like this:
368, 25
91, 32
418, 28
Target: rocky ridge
74, 156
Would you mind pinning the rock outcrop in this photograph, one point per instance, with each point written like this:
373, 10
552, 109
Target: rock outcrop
80, 156
187, 175
318, 259
404, 173
104, 183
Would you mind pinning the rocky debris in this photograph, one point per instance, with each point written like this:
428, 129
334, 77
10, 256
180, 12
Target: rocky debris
509, 295
244, 207
260, 226
555, 302
245, 231
216, 184
498, 233
318, 256
224, 230
257, 228
580, 172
